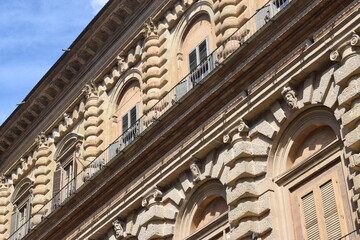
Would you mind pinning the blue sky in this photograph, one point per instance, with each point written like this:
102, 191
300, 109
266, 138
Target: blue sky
32, 34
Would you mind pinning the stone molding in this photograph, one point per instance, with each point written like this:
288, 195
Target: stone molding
153, 196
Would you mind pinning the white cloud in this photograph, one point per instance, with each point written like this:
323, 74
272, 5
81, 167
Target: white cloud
98, 4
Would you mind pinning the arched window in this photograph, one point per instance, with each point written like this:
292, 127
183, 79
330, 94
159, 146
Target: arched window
206, 213
67, 159
22, 209
196, 45
309, 165
128, 106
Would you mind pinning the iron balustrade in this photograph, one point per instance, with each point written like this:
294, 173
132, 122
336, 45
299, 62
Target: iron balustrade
173, 96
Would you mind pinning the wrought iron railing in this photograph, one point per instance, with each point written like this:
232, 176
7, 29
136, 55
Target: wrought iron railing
173, 96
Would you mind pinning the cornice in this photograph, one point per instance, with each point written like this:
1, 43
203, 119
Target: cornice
107, 25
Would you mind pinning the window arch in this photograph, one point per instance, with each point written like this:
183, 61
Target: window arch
194, 40
67, 158
20, 217
205, 214
126, 106
308, 167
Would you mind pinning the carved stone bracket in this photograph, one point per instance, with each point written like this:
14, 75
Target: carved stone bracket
290, 97
4, 182
195, 170
154, 195
122, 65
150, 29
67, 119
42, 140
237, 133
119, 229
342, 51
91, 90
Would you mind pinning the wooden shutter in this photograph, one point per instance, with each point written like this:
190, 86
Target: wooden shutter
125, 122
310, 217
203, 51
56, 188
133, 116
74, 175
193, 60
27, 218
13, 225
331, 217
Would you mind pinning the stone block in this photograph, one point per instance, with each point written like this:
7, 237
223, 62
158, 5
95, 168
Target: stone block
351, 67
156, 212
324, 82
278, 112
351, 92
331, 97
356, 181
249, 208
175, 195
308, 89
350, 117
244, 168
185, 182
352, 139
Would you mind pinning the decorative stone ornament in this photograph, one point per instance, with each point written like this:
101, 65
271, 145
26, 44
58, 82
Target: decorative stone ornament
239, 132
355, 40
90, 90
243, 128
154, 195
122, 66
119, 229
42, 140
335, 56
195, 170
290, 97
150, 28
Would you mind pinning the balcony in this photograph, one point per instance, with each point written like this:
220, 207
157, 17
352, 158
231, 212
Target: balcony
175, 96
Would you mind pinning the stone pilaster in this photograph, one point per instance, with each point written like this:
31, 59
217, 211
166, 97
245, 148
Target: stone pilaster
229, 17
42, 174
347, 76
153, 80
92, 125
5, 214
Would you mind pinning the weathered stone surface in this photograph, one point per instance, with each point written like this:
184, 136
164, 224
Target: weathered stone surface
252, 207
156, 212
350, 117
278, 112
156, 230
351, 67
351, 92
321, 90
352, 139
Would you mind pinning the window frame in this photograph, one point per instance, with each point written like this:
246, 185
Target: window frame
128, 116
68, 156
334, 175
22, 200
211, 229
196, 73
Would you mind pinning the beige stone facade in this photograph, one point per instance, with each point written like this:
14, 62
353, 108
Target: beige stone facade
192, 119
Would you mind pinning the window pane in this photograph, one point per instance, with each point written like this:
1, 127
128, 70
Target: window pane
133, 116
125, 123
192, 60
202, 51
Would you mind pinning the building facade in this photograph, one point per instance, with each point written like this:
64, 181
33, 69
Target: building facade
192, 119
